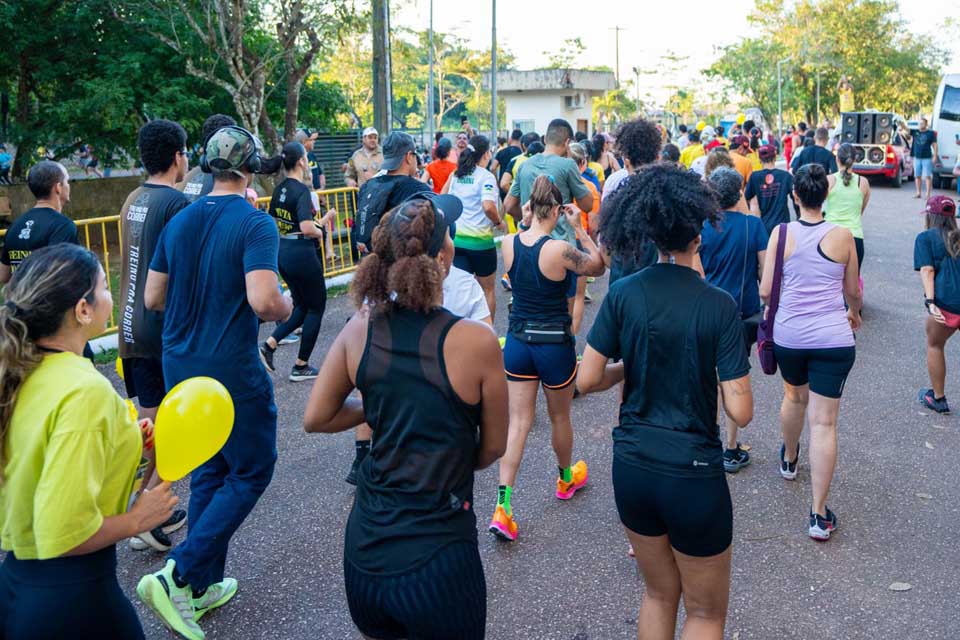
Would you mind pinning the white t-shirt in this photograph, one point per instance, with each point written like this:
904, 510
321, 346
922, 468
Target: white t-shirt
474, 229
699, 166
463, 296
611, 183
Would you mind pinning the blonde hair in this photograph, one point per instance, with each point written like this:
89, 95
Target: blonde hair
44, 287
718, 157
544, 196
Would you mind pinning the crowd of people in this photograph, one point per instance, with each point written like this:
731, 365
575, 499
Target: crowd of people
705, 259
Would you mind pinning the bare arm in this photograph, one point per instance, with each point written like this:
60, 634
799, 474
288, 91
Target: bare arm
5, 273
150, 510
769, 263
754, 205
586, 202
583, 263
330, 409
865, 190
155, 291
761, 260
494, 412
594, 374
506, 180
738, 400
309, 229
263, 294
490, 210
511, 204
446, 185
851, 278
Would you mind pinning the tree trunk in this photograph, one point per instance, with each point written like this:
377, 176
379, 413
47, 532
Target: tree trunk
22, 118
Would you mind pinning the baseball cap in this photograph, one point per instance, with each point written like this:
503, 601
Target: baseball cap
740, 141
397, 145
713, 144
941, 206
447, 209
708, 133
230, 147
370, 131
767, 152
303, 135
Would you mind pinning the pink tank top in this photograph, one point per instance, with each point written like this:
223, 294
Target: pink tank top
811, 313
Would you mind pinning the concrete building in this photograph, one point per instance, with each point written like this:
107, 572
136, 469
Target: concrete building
534, 98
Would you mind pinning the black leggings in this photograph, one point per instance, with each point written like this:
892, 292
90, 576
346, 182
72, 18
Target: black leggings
76, 597
859, 243
302, 271
444, 598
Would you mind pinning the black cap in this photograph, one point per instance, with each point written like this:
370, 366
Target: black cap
447, 210
397, 145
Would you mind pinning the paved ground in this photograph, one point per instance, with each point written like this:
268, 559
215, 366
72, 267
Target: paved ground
568, 577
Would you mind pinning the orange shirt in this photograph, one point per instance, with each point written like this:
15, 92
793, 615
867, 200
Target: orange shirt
439, 171
594, 211
743, 165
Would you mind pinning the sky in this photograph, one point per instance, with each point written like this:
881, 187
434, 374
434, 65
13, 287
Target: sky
532, 29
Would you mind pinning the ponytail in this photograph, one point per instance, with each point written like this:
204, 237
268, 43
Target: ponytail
45, 286
544, 197
947, 226
845, 157
471, 156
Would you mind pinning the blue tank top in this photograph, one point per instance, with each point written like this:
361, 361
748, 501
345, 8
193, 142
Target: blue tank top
536, 297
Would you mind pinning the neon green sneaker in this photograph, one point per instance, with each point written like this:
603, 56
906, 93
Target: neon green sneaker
172, 604
216, 595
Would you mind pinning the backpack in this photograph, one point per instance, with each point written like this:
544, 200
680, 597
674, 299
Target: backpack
371, 205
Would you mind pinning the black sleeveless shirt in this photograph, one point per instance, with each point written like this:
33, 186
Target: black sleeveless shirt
536, 297
415, 490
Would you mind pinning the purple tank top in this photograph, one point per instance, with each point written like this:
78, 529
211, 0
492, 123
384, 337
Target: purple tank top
811, 313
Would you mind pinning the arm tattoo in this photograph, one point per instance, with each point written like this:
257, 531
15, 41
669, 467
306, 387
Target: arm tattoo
574, 256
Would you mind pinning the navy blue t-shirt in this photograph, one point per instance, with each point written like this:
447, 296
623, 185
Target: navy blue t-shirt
922, 146
209, 329
929, 250
771, 188
678, 336
729, 257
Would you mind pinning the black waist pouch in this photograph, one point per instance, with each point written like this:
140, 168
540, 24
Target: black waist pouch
542, 332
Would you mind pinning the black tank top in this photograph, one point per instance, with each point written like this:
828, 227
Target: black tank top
415, 490
535, 296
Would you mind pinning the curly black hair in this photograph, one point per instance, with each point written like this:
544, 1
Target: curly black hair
213, 124
662, 203
159, 141
639, 142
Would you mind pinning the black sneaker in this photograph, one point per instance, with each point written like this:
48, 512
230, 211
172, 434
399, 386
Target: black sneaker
306, 372
821, 527
155, 538
789, 469
735, 459
266, 357
352, 476
930, 401
175, 521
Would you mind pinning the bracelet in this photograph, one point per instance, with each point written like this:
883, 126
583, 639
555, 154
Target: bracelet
523, 227
927, 302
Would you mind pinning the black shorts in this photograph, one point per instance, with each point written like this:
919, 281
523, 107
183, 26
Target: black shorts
750, 326
554, 365
479, 262
825, 370
696, 514
444, 598
143, 378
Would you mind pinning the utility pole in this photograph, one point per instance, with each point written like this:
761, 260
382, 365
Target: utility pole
617, 29
430, 118
493, 78
382, 90
818, 96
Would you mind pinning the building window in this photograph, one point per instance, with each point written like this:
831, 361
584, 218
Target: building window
524, 125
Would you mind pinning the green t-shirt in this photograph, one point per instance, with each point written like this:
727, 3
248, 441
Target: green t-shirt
565, 175
72, 452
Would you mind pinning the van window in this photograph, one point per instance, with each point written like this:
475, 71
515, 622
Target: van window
950, 108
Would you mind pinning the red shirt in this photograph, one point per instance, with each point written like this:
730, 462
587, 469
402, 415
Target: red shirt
439, 171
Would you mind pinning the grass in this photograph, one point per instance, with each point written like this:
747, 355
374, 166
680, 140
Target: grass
108, 356
338, 290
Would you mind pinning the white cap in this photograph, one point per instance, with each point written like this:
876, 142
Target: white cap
370, 131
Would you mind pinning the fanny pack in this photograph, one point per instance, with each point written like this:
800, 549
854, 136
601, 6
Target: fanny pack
542, 332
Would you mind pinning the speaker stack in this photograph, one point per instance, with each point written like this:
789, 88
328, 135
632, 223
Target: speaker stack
867, 128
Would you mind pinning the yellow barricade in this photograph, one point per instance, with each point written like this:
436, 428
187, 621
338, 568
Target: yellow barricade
102, 237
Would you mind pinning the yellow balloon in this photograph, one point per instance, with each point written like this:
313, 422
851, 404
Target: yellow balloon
119, 365
193, 423
132, 410
741, 119
701, 125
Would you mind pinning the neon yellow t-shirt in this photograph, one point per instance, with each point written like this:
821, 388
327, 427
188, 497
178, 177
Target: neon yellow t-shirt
598, 169
72, 451
690, 153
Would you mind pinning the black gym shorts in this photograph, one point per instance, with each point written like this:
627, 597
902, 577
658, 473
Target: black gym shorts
825, 370
479, 262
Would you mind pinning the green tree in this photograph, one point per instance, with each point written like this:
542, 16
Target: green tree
570, 51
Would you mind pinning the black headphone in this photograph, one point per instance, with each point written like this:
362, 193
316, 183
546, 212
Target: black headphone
251, 162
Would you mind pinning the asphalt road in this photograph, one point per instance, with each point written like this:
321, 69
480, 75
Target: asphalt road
568, 575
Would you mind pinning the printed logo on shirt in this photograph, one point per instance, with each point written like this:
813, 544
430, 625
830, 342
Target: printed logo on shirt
193, 188
697, 463
25, 232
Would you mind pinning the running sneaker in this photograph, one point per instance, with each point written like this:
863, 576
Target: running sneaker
266, 357
505, 283
216, 595
306, 372
579, 475
172, 604
789, 469
503, 525
735, 459
820, 527
929, 400
290, 339
157, 538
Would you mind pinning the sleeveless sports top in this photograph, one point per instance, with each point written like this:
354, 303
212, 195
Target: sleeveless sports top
536, 297
844, 205
415, 488
811, 313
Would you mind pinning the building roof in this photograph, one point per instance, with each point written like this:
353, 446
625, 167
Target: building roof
553, 80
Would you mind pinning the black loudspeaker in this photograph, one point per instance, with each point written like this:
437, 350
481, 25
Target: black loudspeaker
850, 127
883, 128
866, 128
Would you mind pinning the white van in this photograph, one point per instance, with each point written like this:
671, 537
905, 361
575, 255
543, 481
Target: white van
946, 122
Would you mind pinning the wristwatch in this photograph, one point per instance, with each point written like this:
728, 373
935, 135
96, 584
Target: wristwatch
927, 302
